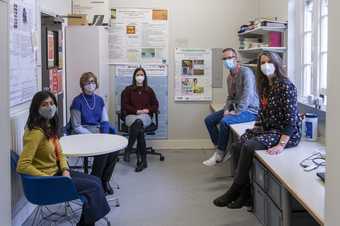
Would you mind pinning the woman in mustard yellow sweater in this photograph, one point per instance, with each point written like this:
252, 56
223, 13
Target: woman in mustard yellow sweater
42, 156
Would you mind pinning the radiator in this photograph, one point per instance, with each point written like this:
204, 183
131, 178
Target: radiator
18, 122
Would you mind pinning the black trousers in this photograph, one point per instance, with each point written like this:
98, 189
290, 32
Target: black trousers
96, 206
103, 166
136, 132
243, 154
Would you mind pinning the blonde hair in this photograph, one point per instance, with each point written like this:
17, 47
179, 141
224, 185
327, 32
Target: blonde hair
85, 77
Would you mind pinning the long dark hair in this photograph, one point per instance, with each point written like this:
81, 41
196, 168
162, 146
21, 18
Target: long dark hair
134, 82
262, 82
35, 120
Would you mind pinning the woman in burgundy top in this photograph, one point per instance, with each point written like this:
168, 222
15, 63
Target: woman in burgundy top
138, 103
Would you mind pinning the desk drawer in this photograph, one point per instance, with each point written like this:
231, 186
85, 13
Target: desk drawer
259, 174
273, 214
259, 203
274, 189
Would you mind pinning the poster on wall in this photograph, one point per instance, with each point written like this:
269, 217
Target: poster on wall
22, 57
193, 77
138, 36
94, 10
56, 82
50, 49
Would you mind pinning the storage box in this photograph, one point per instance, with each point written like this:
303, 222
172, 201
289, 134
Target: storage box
274, 39
77, 19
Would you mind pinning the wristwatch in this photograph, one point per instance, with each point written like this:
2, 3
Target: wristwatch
283, 143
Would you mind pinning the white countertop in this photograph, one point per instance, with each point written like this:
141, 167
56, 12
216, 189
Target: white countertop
216, 106
306, 187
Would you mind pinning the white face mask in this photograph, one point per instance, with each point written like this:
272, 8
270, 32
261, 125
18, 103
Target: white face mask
140, 79
90, 88
268, 69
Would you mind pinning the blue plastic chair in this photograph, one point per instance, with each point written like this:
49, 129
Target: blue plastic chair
48, 190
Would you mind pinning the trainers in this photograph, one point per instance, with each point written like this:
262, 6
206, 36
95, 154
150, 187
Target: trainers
215, 158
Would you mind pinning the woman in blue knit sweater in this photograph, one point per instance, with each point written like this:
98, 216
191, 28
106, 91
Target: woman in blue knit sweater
89, 115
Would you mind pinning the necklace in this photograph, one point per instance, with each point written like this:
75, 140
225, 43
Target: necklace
87, 103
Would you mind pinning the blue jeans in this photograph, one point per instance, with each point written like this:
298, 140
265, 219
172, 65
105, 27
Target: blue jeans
220, 136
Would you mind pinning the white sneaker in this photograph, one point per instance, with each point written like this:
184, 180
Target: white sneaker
213, 160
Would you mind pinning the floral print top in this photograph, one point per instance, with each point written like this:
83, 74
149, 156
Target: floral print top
278, 115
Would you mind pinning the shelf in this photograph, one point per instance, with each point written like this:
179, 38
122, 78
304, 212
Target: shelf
261, 49
262, 30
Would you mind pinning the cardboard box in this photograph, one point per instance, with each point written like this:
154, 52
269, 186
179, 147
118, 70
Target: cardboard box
77, 19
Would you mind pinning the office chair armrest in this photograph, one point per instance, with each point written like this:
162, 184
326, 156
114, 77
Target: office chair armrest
156, 117
47, 190
119, 116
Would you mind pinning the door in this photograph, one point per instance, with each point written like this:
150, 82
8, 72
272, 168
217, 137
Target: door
51, 59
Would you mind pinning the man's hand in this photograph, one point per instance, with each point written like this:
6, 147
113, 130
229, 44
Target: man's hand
226, 112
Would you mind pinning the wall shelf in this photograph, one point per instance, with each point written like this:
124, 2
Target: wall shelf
262, 31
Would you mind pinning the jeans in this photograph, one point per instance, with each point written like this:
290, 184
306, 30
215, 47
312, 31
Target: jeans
220, 136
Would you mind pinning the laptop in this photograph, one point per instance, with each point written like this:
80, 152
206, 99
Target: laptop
321, 175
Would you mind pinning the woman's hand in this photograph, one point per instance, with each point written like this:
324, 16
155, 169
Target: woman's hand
146, 111
275, 150
66, 173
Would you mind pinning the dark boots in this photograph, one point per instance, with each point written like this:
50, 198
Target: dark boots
126, 157
236, 197
244, 198
141, 164
107, 187
231, 195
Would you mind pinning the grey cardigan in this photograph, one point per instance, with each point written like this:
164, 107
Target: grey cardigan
246, 98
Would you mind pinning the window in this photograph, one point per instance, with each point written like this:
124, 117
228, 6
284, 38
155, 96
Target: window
315, 48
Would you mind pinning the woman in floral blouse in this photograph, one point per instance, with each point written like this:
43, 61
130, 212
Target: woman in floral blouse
277, 127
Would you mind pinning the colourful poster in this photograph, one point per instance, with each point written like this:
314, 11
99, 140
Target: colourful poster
50, 49
56, 82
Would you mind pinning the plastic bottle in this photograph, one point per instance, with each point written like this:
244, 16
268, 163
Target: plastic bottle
310, 126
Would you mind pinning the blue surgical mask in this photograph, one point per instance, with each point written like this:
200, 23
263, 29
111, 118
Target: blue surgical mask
229, 64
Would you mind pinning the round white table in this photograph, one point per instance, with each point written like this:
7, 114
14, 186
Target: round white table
87, 145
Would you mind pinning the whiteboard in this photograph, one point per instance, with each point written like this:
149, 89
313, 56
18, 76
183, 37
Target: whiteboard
22, 51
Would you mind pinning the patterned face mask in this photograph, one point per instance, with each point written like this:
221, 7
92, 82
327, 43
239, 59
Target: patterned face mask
48, 112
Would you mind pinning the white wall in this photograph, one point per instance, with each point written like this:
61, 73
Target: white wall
333, 120
5, 194
58, 7
273, 8
202, 24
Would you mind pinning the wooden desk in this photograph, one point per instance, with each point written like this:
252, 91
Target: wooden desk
305, 187
240, 128
216, 106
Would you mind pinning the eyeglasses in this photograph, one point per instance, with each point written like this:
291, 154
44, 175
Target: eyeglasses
228, 58
90, 82
313, 162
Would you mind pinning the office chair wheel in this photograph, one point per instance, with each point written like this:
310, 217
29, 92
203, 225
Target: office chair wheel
161, 158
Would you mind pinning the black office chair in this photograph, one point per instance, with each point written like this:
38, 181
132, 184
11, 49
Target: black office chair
150, 130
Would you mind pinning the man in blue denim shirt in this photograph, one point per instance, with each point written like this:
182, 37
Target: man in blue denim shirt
241, 105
